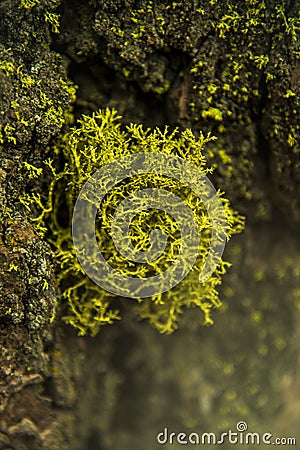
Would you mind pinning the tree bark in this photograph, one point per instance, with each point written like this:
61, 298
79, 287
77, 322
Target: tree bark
230, 68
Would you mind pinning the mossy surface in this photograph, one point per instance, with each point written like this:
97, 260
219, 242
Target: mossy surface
231, 68
227, 67
35, 101
36, 94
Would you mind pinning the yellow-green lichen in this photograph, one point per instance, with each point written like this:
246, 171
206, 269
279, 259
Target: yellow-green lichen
28, 4
53, 19
95, 142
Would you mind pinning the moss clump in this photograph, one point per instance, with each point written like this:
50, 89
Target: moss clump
95, 142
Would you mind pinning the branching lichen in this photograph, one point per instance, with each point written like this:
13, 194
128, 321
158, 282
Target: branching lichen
95, 142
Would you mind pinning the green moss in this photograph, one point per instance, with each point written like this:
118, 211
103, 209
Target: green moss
96, 141
213, 113
7, 67
240, 72
25, 88
49, 16
28, 4
53, 19
163, 89
225, 65
26, 265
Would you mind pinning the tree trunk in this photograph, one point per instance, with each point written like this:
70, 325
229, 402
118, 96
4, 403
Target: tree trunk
230, 68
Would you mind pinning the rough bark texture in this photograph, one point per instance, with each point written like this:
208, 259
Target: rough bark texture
189, 64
